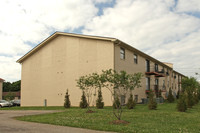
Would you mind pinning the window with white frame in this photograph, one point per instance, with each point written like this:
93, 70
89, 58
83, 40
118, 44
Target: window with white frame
135, 58
156, 67
122, 53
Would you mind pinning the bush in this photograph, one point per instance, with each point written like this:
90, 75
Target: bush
99, 101
131, 103
116, 104
160, 93
177, 95
189, 99
181, 104
198, 93
152, 102
83, 103
67, 101
170, 97
196, 99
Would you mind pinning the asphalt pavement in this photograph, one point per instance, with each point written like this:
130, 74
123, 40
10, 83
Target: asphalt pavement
10, 125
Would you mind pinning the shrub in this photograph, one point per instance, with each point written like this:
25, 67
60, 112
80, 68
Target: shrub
83, 103
152, 102
67, 101
196, 99
160, 93
189, 99
116, 104
99, 101
177, 95
181, 104
131, 103
198, 93
170, 97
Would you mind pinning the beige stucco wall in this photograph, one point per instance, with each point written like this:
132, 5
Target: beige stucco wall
128, 65
1, 89
49, 72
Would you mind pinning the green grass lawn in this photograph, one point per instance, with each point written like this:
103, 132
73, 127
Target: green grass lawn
165, 119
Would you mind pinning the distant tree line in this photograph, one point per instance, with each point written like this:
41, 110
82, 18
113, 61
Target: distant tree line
12, 87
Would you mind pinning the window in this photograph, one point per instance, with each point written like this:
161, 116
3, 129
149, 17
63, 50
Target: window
163, 84
147, 66
136, 98
174, 75
156, 81
135, 58
167, 72
156, 67
122, 53
147, 83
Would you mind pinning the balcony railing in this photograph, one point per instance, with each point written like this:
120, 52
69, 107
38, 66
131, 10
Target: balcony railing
155, 71
156, 89
161, 71
157, 74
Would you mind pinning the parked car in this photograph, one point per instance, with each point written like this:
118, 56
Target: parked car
15, 102
4, 103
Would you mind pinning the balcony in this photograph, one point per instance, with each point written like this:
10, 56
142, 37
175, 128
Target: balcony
161, 71
154, 70
156, 89
156, 73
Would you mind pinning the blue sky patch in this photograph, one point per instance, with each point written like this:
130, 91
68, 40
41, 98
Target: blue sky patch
102, 6
195, 14
30, 43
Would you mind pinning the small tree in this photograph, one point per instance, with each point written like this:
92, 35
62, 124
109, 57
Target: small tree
99, 101
152, 102
67, 102
170, 97
119, 83
85, 83
116, 103
131, 103
83, 103
181, 104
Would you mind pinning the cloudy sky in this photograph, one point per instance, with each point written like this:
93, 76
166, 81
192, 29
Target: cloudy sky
168, 30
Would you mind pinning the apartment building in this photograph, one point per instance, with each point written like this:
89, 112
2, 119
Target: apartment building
53, 66
1, 87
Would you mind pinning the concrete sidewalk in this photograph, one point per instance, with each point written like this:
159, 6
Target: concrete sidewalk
10, 125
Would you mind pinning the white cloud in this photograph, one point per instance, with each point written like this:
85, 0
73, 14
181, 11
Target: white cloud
155, 27
162, 28
102, 1
188, 6
23, 22
9, 69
